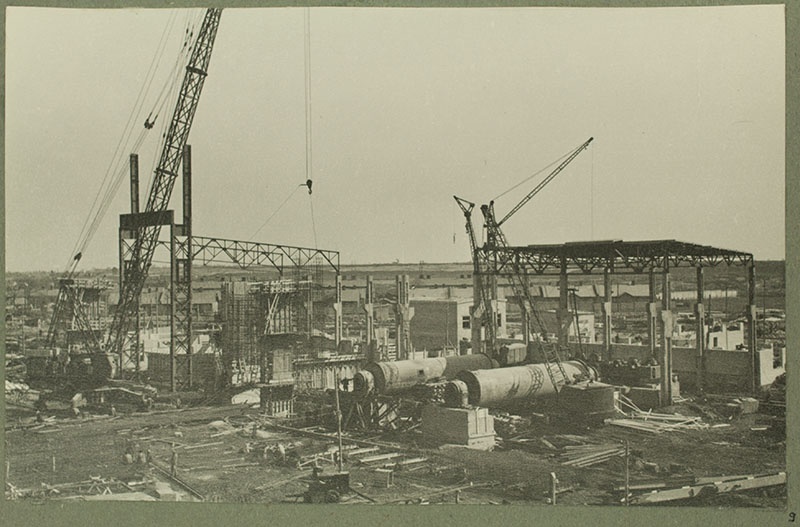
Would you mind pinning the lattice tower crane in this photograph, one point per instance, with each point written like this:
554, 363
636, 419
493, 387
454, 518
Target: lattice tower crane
137, 268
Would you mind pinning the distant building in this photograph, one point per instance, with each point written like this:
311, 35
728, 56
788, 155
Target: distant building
440, 323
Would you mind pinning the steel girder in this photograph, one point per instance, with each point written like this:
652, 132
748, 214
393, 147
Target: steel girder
586, 257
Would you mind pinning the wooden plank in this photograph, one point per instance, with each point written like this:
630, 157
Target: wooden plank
381, 457
720, 487
359, 451
203, 445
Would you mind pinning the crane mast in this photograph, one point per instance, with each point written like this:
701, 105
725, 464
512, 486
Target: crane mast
480, 315
166, 172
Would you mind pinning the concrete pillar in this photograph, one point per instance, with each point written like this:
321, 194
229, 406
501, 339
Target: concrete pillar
309, 306
476, 313
563, 315
524, 314
751, 315
403, 315
492, 347
607, 296
700, 331
652, 314
337, 309
666, 339
369, 306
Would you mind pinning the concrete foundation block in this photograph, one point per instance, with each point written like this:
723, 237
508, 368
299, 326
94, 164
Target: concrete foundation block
470, 427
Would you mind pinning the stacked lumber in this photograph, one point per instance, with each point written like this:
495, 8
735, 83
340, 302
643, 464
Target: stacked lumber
652, 422
712, 485
591, 454
655, 423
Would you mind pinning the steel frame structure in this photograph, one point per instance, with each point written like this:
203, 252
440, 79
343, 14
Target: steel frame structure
618, 256
184, 250
637, 257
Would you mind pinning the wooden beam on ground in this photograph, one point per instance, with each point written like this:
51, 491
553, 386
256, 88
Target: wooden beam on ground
718, 487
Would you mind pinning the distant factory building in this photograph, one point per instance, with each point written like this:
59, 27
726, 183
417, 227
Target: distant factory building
440, 323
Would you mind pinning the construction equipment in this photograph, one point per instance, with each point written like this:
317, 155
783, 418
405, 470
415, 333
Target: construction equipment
100, 358
146, 236
486, 265
482, 308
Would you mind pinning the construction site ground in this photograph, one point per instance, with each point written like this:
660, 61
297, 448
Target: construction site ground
232, 454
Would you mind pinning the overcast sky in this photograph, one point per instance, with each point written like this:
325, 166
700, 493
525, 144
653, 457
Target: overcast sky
408, 107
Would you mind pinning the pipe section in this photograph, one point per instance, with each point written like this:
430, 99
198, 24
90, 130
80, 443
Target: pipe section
500, 386
388, 377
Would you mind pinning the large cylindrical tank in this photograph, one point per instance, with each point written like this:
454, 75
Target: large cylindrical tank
501, 386
391, 377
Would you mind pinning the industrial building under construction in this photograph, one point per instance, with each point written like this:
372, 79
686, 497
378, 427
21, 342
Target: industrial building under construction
601, 372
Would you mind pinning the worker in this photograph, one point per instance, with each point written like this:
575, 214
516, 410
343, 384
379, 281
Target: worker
113, 411
309, 183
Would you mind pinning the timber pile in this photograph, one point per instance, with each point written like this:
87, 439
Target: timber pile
659, 423
708, 486
652, 422
588, 455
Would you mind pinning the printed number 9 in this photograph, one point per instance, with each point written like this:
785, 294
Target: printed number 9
792, 516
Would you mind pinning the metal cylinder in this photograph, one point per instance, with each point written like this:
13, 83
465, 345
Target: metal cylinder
499, 386
391, 377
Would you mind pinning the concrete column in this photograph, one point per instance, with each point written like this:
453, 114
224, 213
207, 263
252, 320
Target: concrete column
524, 314
337, 309
607, 296
666, 339
751, 315
492, 347
403, 315
652, 314
369, 306
476, 314
700, 331
563, 315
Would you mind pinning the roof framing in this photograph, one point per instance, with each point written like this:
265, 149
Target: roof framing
617, 256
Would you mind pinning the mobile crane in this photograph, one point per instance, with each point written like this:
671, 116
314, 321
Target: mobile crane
484, 266
102, 356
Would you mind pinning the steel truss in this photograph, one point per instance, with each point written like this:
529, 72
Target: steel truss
618, 256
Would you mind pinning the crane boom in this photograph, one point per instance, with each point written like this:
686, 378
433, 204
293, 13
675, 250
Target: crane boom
166, 172
496, 239
545, 181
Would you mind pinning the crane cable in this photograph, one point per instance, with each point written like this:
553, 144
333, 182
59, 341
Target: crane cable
275, 212
309, 120
533, 175
113, 178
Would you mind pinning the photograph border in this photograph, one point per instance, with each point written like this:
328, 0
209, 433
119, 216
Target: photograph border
191, 514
